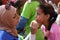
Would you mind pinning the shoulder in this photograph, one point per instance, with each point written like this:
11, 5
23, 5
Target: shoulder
55, 27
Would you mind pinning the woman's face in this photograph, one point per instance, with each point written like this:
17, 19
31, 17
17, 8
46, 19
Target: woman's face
12, 17
40, 16
8, 17
15, 19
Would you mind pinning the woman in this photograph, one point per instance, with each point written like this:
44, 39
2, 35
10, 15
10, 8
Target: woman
8, 21
46, 16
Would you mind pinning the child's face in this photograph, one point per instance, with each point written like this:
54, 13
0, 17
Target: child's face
40, 16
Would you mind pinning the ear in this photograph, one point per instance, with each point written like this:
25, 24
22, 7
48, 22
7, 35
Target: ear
47, 16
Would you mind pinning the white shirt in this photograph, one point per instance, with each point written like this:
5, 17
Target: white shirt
58, 19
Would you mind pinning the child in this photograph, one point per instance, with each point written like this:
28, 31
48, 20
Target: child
47, 16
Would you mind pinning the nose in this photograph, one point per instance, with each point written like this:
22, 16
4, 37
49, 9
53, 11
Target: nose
37, 18
18, 16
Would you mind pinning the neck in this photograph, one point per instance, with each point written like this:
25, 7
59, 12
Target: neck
46, 24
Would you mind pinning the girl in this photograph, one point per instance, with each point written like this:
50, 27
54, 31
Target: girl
46, 16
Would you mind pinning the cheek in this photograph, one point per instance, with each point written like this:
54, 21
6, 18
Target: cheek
15, 22
39, 19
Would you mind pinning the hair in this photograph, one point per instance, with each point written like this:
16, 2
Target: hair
41, 1
0, 2
48, 9
16, 4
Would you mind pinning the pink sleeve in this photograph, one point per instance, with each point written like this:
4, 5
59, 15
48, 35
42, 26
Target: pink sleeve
55, 32
43, 30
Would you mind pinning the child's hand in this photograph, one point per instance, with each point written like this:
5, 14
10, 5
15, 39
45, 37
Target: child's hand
34, 26
47, 33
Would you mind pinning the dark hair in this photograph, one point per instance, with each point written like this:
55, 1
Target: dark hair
0, 2
48, 9
16, 3
41, 1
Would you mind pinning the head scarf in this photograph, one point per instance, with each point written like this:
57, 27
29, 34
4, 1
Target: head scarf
6, 19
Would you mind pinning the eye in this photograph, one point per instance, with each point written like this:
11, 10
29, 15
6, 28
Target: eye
14, 16
38, 13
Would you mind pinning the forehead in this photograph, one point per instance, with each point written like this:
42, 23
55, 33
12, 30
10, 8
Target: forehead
39, 10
